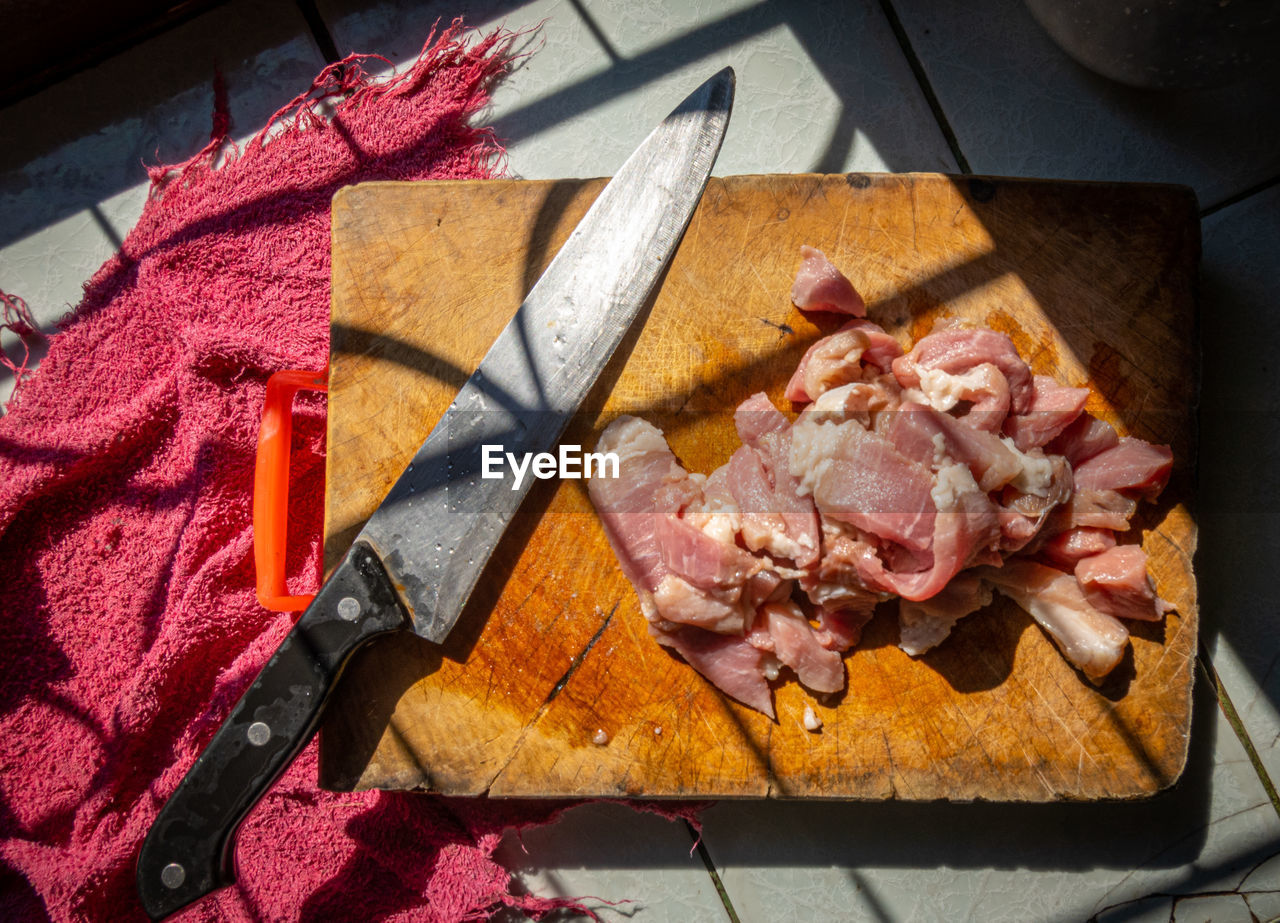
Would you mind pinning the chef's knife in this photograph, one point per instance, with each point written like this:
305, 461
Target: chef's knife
417, 559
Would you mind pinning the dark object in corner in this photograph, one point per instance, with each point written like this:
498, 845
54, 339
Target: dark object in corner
1170, 44
51, 41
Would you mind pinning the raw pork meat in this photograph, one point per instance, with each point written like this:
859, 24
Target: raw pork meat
819, 286
1092, 640
1116, 581
934, 476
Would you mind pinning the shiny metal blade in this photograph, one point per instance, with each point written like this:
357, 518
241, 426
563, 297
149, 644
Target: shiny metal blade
443, 518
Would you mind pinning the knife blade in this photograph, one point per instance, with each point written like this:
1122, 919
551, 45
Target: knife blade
417, 559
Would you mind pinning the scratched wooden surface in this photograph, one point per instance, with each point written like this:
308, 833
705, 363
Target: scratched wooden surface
1094, 282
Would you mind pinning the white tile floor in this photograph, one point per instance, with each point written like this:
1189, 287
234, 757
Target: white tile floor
822, 87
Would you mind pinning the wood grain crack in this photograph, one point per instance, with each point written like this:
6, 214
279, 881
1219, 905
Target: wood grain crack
574, 664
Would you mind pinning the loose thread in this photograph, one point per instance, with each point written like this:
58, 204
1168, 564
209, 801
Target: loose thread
18, 320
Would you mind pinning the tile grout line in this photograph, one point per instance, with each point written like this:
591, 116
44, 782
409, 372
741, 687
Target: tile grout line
1237, 198
917, 69
319, 31
1228, 709
703, 854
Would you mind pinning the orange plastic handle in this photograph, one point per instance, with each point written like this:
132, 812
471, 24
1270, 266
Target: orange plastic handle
271, 487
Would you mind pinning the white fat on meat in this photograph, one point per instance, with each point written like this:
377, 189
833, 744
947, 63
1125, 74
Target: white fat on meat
1035, 473
717, 513
1091, 640
859, 402
630, 437
943, 390
677, 600
836, 361
949, 484
815, 443
860, 350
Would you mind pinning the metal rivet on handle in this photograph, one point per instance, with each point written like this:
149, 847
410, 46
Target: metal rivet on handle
173, 875
259, 733
349, 608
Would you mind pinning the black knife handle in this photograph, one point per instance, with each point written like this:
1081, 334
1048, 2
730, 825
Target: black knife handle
189, 850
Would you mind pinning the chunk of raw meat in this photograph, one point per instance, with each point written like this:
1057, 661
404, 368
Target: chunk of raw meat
792, 534
855, 351
965, 527
716, 513
731, 664
957, 352
1083, 439
935, 439
1116, 582
834, 584
756, 417
840, 629
857, 476
1053, 408
777, 516
680, 573
925, 624
796, 644
1067, 548
979, 396
819, 286
1095, 509
1091, 640
1046, 483
1132, 466
864, 402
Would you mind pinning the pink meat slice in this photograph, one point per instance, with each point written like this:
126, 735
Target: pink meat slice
796, 644
1053, 408
756, 417
1067, 548
627, 506
960, 535
775, 516
958, 351
1091, 640
1132, 465
1097, 509
1116, 581
680, 573
819, 286
1083, 439
765, 527
874, 487
840, 358
730, 663
916, 428
840, 629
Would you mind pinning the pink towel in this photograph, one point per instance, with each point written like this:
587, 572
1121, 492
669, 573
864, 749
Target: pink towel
129, 620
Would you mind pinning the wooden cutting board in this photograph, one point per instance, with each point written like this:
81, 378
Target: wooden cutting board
1095, 284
